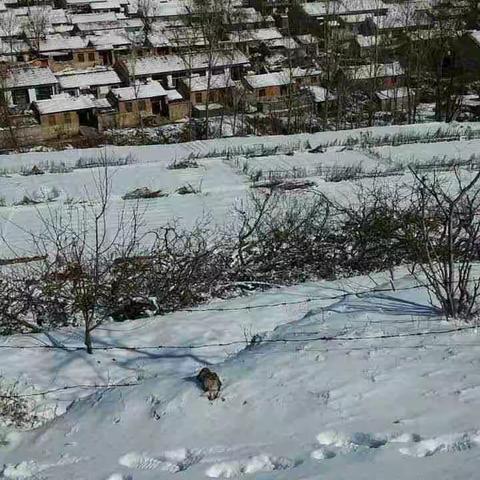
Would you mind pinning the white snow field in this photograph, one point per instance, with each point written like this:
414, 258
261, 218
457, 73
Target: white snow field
299, 405
220, 180
355, 379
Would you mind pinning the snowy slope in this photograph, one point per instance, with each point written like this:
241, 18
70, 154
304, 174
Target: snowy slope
306, 408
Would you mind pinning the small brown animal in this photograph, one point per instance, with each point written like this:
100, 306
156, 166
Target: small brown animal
210, 383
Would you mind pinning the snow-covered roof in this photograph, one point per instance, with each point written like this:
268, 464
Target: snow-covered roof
475, 35
343, 7
306, 39
155, 65
106, 5
66, 103
367, 41
319, 94
94, 17
356, 18
88, 78
267, 80
393, 93
258, 35
60, 43
109, 40
200, 84
285, 42
139, 91
20, 77
173, 95
318, 9
160, 9
284, 77
364, 72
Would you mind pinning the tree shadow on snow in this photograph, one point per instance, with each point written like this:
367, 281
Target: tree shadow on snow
380, 303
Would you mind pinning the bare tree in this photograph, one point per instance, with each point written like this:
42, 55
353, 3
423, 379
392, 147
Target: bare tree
6, 116
37, 25
80, 251
446, 240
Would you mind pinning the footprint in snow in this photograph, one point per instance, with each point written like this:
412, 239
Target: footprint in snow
454, 442
31, 469
170, 461
256, 464
322, 454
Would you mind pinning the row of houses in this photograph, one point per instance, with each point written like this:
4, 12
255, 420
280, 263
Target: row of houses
125, 63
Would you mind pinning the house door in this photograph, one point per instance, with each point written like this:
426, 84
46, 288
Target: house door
156, 107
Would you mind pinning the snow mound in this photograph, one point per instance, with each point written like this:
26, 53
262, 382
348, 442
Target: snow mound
171, 461
340, 439
256, 464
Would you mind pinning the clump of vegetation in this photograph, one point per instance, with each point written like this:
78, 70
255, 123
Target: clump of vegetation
285, 184
188, 190
16, 410
343, 174
35, 170
144, 192
182, 164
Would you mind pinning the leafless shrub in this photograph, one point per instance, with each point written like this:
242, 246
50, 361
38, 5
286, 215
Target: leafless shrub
446, 240
283, 239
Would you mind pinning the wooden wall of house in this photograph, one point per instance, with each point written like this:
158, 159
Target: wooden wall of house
135, 106
60, 124
178, 110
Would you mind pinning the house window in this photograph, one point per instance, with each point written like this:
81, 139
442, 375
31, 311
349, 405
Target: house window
212, 97
142, 106
43, 93
67, 118
262, 92
198, 97
128, 106
20, 97
91, 57
51, 120
81, 57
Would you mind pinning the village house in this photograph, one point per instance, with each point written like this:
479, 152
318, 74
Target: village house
272, 86
395, 99
64, 114
320, 97
96, 80
144, 104
376, 75
110, 45
24, 85
68, 52
248, 39
217, 89
168, 69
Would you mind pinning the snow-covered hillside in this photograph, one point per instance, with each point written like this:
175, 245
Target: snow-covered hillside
326, 393
221, 182
359, 378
